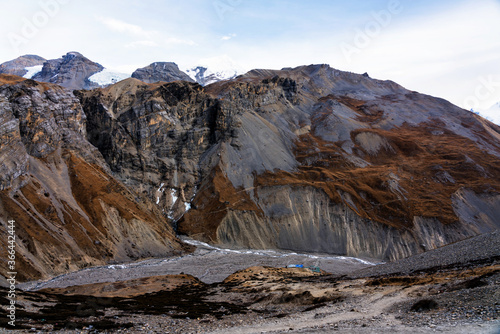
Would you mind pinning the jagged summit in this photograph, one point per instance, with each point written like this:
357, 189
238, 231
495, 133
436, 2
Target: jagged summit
75, 71
70, 71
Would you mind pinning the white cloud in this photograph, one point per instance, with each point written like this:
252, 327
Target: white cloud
442, 53
150, 38
128, 28
228, 37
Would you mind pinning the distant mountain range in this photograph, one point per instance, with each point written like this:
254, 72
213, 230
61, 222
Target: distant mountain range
75, 71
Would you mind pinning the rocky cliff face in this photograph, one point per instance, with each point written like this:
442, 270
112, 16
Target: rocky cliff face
311, 159
71, 71
18, 66
161, 71
155, 137
69, 211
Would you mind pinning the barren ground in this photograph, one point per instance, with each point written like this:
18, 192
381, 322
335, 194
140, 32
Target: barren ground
431, 292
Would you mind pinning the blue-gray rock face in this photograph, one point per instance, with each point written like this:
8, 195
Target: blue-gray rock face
72, 71
161, 71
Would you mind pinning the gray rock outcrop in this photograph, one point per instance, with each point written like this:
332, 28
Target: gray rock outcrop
161, 71
72, 71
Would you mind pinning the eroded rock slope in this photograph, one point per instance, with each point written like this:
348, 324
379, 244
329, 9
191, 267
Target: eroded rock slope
310, 159
69, 211
307, 159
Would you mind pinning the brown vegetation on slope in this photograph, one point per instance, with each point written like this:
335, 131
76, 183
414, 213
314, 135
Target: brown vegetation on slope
68, 236
416, 175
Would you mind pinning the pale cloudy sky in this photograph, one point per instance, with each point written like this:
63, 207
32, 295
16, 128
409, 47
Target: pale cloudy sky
446, 48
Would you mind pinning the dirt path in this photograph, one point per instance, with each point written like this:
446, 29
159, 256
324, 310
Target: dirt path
374, 307
369, 315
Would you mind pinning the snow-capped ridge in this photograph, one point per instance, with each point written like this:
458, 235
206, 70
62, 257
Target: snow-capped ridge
210, 70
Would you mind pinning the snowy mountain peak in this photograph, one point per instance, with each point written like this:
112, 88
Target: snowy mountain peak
214, 69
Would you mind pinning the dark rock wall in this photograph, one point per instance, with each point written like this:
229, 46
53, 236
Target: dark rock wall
69, 211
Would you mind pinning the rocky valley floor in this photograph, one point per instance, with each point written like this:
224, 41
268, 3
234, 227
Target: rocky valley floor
454, 289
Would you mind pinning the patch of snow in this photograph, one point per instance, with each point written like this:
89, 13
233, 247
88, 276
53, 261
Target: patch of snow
32, 71
187, 206
275, 253
174, 197
107, 77
193, 72
210, 70
160, 190
117, 266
